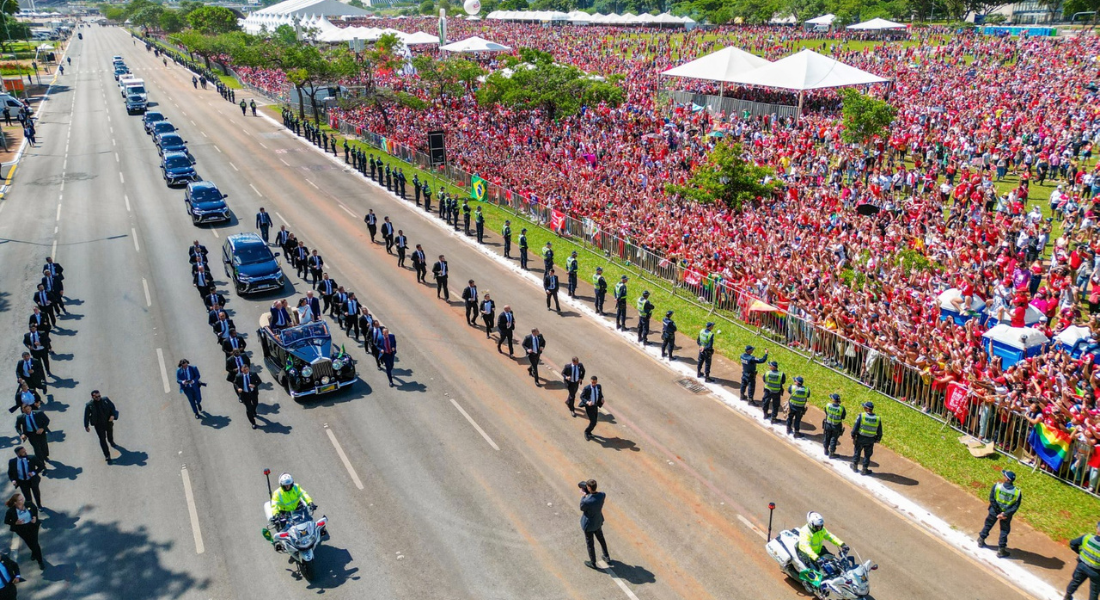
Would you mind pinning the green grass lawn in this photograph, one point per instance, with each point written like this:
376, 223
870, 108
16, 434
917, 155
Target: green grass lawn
230, 81
1058, 510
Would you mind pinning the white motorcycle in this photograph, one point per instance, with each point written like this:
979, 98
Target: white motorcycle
297, 534
840, 576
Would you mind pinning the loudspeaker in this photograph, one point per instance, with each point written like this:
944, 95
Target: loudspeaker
437, 148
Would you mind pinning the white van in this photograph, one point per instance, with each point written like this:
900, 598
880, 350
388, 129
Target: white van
12, 104
135, 87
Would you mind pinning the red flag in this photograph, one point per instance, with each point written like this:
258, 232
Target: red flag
693, 277
957, 400
1094, 459
557, 220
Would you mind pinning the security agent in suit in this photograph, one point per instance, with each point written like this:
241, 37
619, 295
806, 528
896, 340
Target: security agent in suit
190, 382
387, 350
387, 234
263, 223
247, 386
45, 304
38, 344
599, 285
592, 521
30, 371
534, 344
9, 577
55, 269
668, 335
301, 260
351, 315
523, 248
233, 342
213, 298
33, 427
592, 399
233, 364
506, 327
469, 295
25, 472
748, 373
202, 281
39, 320
420, 264
197, 253
440, 271
573, 375
550, 286
488, 313
327, 289
53, 288
401, 242
316, 267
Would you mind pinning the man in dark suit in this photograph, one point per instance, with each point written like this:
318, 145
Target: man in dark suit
402, 243
469, 295
213, 298
52, 283
314, 305
592, 521
280, 316
44, 303
100, 413
247, 386
24, 471
488, 313
534, 344
371, 219
316, 267
591, 400
263, 223
39, 320
281, 237
351, 315
339, 305
327, 289
202, 281
506, 327
301, 260
55, 269
387, 348
197, 253
420, 264
233, 342
550, 285
32, 426
223, 326
212, 315
30, 370
440, 271
387, 234
38, 344
573, 375
9, 577
233, 364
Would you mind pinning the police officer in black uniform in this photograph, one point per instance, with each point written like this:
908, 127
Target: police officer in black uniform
416, 189
774, 380
668, 335
1087, 548
1004, 501
645, 311
571, 267
523, 248
506, 233
466, 217
599, 285
620, 304
866, 432
427, 197
833, 425
748, 373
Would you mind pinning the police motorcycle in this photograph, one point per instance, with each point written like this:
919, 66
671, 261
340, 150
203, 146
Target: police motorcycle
297, 534
841, 576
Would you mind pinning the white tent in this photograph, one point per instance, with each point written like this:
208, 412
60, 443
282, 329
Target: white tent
474, 44
806, 70
825, 20
787, 20
418, 38
876, 25
722, 65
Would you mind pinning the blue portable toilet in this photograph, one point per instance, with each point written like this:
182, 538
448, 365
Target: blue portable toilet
1032, 316
947, 309
1014, 344
1074, 340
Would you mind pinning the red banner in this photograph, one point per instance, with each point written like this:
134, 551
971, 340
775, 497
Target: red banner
958, 400
693, 277
557, 221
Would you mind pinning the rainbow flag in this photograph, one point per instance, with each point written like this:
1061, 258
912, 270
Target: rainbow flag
1051, 445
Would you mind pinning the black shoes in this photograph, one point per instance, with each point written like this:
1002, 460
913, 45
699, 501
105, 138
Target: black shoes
591, 565
1002, 553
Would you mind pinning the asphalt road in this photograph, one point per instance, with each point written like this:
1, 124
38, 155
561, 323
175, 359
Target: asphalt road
468, 471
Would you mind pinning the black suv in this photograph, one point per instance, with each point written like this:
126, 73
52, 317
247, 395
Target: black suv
251, 265
205, 203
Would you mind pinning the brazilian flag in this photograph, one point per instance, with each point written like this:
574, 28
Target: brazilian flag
477, 188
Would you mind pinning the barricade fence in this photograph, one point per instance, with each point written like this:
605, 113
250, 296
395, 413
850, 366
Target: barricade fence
1007, 429
732, 106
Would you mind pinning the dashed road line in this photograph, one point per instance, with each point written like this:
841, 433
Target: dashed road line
348, 210
121, 178
476, 426
283, 219
284, 162
313, 184
148, 297
234, 166
255, 190
192, 511
127, 199
133, 232
163, 370
343, 457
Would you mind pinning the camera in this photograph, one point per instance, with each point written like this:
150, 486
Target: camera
584, 486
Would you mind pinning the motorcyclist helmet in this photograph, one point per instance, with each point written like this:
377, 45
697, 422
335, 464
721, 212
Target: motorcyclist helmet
815, 521
286, 481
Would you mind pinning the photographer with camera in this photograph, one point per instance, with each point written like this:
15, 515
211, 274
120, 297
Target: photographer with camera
190, 382
592, 521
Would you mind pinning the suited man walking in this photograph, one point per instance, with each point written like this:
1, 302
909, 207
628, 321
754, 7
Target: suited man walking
24, 471
573, 374
402, 244
371, 219
43, 301
506, 327
420, 264
33, 427
202, 281
190, 382
38, 344
387, 348
592, 521
469, 294
100, 413
30, 371
351, 315
550, 285
387, 234
591, 400
316, 267
534, 344
488, 313
247, 386
440, 271
263, 223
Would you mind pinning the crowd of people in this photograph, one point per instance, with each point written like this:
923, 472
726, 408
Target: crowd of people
988, 131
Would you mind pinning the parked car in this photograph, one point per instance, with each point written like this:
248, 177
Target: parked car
177, 168
205, 203
251, 265
302, 359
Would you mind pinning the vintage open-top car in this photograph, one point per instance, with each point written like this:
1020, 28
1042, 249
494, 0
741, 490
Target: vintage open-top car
302, 359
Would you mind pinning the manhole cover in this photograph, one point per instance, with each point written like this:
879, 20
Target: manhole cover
692, 386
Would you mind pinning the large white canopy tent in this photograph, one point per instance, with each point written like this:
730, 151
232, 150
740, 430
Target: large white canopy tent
876, 25
583, 18
804, 71
722, 65
474, 44
285, 13
823, 20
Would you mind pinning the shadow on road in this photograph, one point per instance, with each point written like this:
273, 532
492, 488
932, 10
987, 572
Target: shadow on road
636, 574
131, 458
331, 568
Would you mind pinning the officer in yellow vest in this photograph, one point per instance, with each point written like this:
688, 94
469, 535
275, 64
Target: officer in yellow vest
833, 426
1087, 548
866, 432
796, 406
774, 380
645, 311
1004, 501
620, 304
705, 339
547, 257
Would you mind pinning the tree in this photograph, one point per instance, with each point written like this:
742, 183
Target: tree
726, 177
172, 22
539, 83
513, 5
357, 4
213, 20
864, 117
385, 56
148, 16
196, 44
448, 77
427, 7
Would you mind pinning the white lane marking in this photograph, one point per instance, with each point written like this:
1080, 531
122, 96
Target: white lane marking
65, 165
218, 149
622, 585
234, 166
476, 426
193, 511
2, 206
133, 232
193, 123
112, 129
264, 146
255, 190
347, 210
127, 199
59, 210
163, 369
121, 178
284, 162
343, 457
215, 232
750, 525
313, 184
148, 298
53, 249
204, 134
117, 160
287, 223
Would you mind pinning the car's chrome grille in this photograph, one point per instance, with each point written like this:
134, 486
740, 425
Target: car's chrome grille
323, 368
